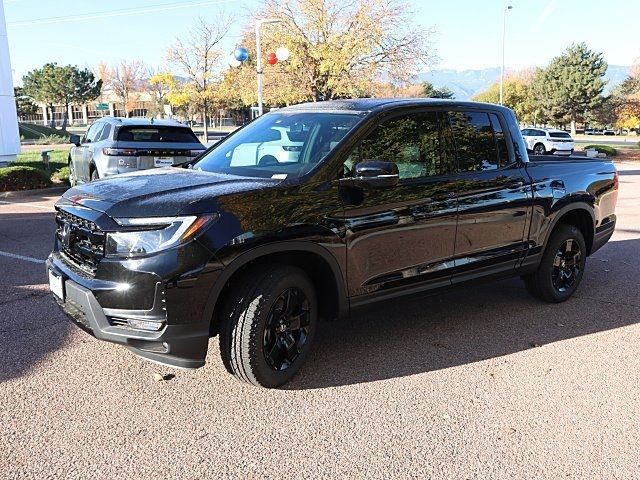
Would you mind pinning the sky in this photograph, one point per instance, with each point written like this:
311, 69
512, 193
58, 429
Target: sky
467, 34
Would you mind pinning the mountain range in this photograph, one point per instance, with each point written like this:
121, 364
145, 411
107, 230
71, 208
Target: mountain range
466, 83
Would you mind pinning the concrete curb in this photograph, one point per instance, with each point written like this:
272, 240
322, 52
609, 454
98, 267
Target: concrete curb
34, 192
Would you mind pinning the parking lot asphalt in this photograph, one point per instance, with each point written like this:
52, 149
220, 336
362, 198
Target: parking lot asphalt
480, 382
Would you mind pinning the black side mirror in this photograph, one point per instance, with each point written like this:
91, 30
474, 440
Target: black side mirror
75, 139
376, 174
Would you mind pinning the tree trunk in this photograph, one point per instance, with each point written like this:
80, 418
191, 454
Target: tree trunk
573, 123
52, 121
205, 135
65, 118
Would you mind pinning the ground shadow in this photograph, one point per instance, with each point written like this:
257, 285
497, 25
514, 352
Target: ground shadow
469, 324
31, 324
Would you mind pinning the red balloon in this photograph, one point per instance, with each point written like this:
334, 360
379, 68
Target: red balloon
272, 59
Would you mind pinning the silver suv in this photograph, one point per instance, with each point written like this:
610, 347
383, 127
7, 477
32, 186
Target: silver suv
121, 145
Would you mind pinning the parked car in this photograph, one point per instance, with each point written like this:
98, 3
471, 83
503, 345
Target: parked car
543, 141
272, 146
609, 131
387, 198
120, 145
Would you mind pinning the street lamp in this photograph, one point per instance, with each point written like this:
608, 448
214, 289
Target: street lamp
504, 30
259, 72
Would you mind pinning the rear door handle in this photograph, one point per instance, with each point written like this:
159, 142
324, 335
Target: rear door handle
558, 184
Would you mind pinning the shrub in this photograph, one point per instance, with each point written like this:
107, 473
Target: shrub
51, 140
606, 149
61, 176
22, 178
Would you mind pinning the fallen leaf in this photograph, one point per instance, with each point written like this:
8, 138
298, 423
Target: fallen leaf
158, 377
535, 345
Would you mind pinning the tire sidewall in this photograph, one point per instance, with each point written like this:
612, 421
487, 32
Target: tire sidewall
263, 372
564, 233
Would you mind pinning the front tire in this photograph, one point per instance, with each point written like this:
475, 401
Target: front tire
561, 268
73, 179
269, 325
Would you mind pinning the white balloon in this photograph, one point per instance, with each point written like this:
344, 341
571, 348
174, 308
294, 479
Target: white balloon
282, 54
233, 63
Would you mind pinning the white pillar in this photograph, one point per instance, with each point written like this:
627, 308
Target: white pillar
85, 114
9, 134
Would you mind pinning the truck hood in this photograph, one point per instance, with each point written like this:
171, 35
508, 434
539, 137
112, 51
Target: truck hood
160, 192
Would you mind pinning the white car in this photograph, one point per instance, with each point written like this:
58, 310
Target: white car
276, 145
547, 141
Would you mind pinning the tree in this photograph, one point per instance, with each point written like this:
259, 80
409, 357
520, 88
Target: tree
64, 86
38, 85
623, 105
24, 105
517, 95
199, 58
125, 81
74, 86
158, 87
572, 84
429, 91
337, 50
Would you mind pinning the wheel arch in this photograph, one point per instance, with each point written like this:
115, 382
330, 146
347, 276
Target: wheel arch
316, 261
579, 215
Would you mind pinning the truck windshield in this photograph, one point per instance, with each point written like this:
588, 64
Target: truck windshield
279, 144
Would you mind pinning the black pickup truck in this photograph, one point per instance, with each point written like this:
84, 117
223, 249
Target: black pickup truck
312, 211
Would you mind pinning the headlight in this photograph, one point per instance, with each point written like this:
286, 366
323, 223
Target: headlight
156, 234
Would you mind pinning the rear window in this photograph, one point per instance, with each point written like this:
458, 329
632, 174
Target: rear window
156, 134
559, 135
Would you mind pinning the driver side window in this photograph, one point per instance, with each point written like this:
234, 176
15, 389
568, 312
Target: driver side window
415, 142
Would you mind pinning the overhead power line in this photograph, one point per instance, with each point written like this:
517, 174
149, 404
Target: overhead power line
115, 13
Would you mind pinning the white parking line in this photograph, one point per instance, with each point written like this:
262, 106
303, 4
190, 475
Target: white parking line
20, 257
50, 209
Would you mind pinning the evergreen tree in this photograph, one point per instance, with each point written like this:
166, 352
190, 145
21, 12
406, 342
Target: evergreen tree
429, 91
572, 84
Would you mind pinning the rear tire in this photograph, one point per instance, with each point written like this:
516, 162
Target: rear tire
94, 175
561, 268
538, 149
268, 325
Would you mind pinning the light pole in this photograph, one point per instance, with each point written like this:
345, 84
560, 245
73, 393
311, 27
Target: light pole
259, 72
504, 32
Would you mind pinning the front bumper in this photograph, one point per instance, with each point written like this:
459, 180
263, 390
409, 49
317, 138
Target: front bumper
179, 345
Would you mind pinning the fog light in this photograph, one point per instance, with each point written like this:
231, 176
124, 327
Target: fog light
145, 324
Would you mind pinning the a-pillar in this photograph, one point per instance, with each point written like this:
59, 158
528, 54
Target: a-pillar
9, 134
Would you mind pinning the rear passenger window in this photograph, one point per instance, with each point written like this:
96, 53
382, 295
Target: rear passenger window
415, 142
475, 144
501, 141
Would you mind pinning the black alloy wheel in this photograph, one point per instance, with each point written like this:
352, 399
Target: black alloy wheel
286, 329
268, 324
539, 149
566, 265
561, 267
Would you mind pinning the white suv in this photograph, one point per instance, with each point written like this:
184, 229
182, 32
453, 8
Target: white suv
543, 141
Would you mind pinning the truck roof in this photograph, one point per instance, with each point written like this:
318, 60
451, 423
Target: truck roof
376, 104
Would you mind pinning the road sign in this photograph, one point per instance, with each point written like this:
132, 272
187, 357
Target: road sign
102, 106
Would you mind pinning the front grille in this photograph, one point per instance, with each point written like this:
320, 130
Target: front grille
80, 240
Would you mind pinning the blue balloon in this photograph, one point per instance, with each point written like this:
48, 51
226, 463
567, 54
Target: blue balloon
241, 54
